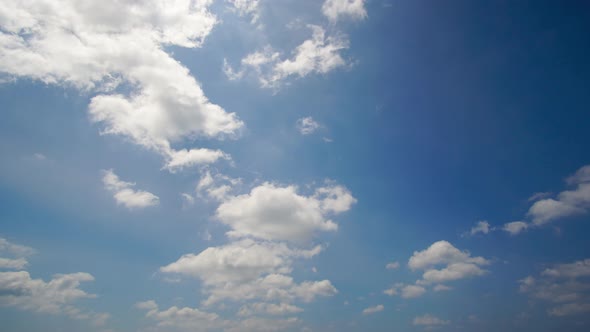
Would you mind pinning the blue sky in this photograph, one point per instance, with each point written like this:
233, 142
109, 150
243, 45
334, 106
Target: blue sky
253, 165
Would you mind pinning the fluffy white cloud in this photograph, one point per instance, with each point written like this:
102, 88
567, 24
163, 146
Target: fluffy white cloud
307, 125
247, 270
320, 54
337, 9
567, 203
217, 186
515, 227
374, 309
271, 212
442, 252
184, 158
406, 291
564, 286
412, 291
13, 263
97, 47
429, 321
189, 319
19, 290
126, 196
451, 272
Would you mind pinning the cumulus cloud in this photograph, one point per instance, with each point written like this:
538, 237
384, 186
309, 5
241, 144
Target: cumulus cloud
307, 125
57, 296
338, 9
567, 203
13, 256
515, 227
429, 321
186, 319
406, 291
98, 47
565, 287
125, 195
273, 212
442, 252
247, 269
320, 54
273, 309
374, 309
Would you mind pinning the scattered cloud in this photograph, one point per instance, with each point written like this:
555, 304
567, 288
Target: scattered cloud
515, 227
125, 195
372, 310
565, 287
57, 296
247, 8
429, 321
567, 203
392, 265
320, 54
482, 227
335, 10
307, 125
406, 291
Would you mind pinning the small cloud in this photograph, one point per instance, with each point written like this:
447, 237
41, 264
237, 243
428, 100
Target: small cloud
307, 125
482, 227
515, 227
39, 156
125, 195
441, 288
372, 310
392, 265
540, 195
429, 321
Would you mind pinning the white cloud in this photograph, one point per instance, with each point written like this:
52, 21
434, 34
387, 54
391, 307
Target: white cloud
18, 289
187, 158
247, 8
567, 203
412, 291
320, 54
186, 319
279, 213
217, 186
13, 256
429, 321
307, 125
337, 9
392, 265
455, 265
98, 47
273, 309
247, 270
406, 291
441, 288
442, 252
515, 227
126, 196
481, 227
372, 310
565, 287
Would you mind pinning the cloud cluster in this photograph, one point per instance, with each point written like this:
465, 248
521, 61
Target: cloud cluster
57, 296
270, 228
320, 54
335, 10
125, 195
564, 286
441, 263
100, 47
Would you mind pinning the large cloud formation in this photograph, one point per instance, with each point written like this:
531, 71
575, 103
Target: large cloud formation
103, 46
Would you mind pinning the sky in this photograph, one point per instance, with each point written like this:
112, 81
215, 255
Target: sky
327, 165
